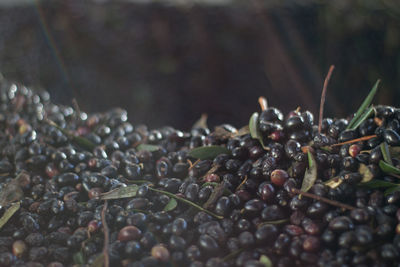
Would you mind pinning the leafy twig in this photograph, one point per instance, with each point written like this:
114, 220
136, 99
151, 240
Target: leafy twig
186, 201
323, 96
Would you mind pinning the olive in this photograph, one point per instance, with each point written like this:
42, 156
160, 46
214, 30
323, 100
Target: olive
341, 223
208, 244
391, 137
160, 253
279, 177
129, 233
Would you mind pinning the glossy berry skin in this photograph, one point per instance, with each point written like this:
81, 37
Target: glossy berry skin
279, 177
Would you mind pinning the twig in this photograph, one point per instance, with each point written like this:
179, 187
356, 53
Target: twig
263, 102
106, 235
192, 164
76, 106
364, 138
323, 96
323, 199
241, 184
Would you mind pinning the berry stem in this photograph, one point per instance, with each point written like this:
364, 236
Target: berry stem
106, 234
364, 138
323, 96
263, 102
323, 199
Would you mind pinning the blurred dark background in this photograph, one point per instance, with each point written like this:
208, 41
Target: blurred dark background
167, 62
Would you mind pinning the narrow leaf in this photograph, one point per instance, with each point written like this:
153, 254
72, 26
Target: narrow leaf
366, 173
253, 126
78, 258
208, 152
310, 176
12, 191
9, 213
171, 205
391, 190
147, 147
186, 201
215, 195
367, 101
378, 184
99, 261
79, 140
394, 151
386, 153
387, 168
121, 192
255, 130
367, 113
266, 261
273, 222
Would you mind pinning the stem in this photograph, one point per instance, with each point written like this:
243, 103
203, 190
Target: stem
187, 202
192, 164
232, 254
241, 184
323, 96
364, 138
106, 235
263, 102
273, 222
323, 199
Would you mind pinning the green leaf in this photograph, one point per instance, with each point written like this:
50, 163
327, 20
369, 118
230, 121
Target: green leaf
171, 205
394, 151
12, 191
9, 213
367, 113
78, 258
266, 261
121, 192
375, 183
273, 222
147, 147
99, 261
365, 172
391, 190
386, 153
210, 183
387, 168
215, 195
310, 176
208, 152
255, 130
367, 101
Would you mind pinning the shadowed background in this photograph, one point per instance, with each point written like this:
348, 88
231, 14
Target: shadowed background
167, 62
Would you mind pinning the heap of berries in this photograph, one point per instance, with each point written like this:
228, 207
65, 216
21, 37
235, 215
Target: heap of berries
83, 189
